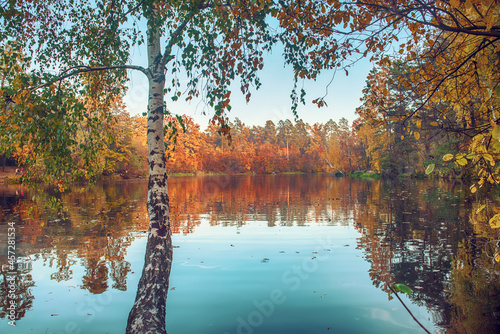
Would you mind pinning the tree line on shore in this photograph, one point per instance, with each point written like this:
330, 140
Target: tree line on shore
367, 145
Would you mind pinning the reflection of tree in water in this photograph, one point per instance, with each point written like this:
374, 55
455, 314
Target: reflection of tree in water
97, 224
411, 234
475, 286
410, 231
280, 200
119, 272
24, 282
96, 275
64, 272
475, 291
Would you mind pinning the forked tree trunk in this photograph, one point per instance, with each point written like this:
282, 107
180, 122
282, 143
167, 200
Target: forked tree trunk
148, 312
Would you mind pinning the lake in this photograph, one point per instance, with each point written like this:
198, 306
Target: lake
256, 254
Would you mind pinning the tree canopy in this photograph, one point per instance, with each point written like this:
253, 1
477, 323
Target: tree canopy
64, 70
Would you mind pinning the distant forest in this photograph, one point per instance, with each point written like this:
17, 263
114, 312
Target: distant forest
367, 145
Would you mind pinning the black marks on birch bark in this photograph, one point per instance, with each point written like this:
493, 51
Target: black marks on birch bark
154, 119
160, 79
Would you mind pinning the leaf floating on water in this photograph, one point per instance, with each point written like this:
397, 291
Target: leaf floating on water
400, 287
264, 260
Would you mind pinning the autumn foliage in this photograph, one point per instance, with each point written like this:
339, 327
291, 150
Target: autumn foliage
272, 148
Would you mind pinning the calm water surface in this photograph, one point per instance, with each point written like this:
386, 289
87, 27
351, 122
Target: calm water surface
257, 254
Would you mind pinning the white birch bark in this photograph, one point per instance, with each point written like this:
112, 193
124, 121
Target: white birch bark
148, 313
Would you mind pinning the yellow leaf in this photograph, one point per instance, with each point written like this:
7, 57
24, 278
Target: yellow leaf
417, 135
402, 137
419, 124
480, 208
495, 133
460, 155
462, 162
495, 221
497, 257
473, 189
495, 147
434, 124
489, 158
448, 157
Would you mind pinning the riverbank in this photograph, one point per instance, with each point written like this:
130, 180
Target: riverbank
7, 173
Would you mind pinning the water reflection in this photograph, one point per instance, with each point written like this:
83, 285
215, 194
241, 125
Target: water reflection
430, 236
418, 233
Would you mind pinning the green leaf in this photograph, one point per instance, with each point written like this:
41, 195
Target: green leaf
430, 169
400, 287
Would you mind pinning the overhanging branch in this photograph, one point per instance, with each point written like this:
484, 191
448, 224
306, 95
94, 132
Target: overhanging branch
86, 69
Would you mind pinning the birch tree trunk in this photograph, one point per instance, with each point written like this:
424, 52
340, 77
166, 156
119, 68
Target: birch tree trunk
148, 312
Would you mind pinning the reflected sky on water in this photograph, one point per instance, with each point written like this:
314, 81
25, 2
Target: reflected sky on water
257, 254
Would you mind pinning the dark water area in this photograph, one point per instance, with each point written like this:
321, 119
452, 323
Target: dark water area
255, 254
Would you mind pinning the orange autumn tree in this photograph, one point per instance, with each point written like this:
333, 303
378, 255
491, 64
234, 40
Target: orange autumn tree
184, 141
455, 43
77, 47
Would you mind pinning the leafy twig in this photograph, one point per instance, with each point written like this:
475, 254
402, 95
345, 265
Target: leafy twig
407, 309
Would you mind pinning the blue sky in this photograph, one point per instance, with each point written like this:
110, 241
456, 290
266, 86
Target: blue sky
272, 100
